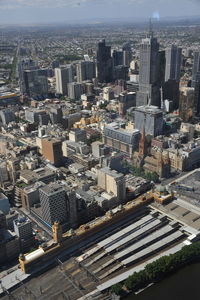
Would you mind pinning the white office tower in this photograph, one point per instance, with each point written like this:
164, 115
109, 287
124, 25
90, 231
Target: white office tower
64, 76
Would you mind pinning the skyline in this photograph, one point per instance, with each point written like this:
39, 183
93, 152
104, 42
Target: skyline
49, 11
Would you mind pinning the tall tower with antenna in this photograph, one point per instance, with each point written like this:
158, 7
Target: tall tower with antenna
148, 79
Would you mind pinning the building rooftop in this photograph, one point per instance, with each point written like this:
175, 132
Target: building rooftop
52, 188
21, 221
35, 175
151, 109
2, 196
112, 173
31, 188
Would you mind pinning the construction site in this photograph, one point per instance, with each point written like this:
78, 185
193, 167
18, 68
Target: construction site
126, 249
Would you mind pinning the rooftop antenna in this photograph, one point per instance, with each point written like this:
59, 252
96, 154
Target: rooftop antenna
150, 28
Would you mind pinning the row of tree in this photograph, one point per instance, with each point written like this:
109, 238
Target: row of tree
159, 269
141, 173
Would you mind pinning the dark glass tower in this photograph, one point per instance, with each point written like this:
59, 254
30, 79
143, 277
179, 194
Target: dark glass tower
104, 63
197, 94
196, 67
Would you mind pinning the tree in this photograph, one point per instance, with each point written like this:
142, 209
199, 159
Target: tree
117, 289
136, 281
160, 268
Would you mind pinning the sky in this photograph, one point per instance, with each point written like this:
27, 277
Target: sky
52, 11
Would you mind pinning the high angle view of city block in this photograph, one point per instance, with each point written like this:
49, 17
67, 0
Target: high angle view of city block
99, 149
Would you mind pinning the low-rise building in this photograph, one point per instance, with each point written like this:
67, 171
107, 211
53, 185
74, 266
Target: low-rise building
121, 139
46, 175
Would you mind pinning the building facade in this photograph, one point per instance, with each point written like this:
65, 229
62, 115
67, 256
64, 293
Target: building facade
64, 76
53, 204
148, 77
120, 139
85, 70
104, 63
149, 118
173, 56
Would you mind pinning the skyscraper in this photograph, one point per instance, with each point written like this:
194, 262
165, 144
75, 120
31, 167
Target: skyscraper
63, 77
75, 90
127, 54
161, 67
196, 66
52, 151
104, 63
35, 83
25, 64
150, 119
85, 70
148, 79
186, 103
197, 94
117, 58
173, 57
54, 204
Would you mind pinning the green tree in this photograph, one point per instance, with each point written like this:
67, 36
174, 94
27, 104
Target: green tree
117, 289
162, 267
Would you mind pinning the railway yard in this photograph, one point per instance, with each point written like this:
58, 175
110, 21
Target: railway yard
122, 251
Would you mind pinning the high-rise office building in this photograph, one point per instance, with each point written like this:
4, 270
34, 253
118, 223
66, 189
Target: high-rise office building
118, 58
23, 229
53, 203
64, 76
171, 92
173, 57
197, 94
9, 246
75, 90
126, 100
33, 115
127, 54
196, 67
120, 72
77, 135
52, 151
4, 204
25, 64
85, 70
56, 114
35, 82
150, 119
104, 63
148, 80
186, 103
7, 116
161, 67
